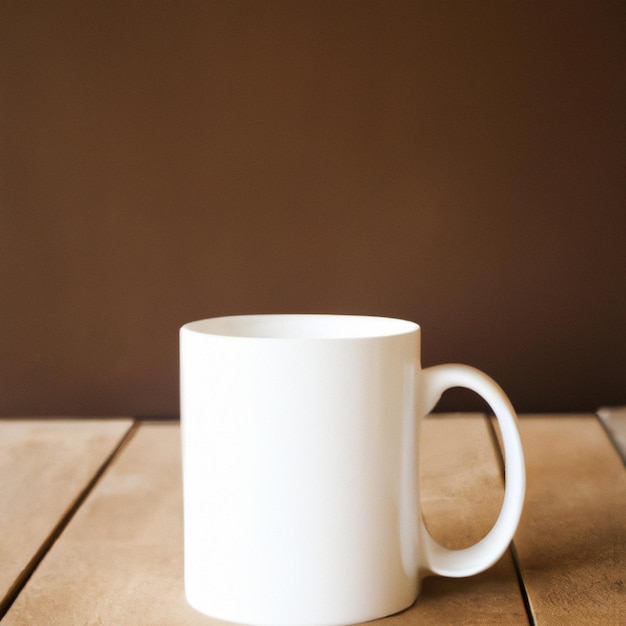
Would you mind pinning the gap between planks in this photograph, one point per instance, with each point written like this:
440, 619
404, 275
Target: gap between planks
493, 434
613, 420
25, 575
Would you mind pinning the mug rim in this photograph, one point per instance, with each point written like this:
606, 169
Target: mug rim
301, 326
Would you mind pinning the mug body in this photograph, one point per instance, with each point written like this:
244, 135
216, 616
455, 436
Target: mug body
299, 470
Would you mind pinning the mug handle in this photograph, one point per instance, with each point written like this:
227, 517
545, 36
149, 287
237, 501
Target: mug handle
468, 561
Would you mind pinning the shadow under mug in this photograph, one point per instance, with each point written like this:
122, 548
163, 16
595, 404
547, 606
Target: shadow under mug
300, 438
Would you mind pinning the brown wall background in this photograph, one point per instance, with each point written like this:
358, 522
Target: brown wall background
461, 164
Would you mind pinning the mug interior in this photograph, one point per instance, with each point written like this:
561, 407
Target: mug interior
303, 326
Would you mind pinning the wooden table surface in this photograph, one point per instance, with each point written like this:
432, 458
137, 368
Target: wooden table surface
91, 523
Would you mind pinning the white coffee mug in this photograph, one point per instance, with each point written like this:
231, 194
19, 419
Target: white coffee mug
300, 439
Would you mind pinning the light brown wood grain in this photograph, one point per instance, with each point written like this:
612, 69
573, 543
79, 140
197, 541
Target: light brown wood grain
120, 560
572, 537
44, 467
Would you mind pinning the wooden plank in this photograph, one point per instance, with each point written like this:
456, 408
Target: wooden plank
614, 420
120, 560
44, 467
572, 537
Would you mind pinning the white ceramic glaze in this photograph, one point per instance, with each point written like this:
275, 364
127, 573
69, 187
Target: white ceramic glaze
300, 437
